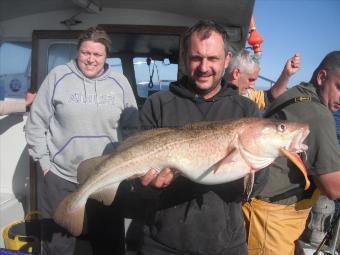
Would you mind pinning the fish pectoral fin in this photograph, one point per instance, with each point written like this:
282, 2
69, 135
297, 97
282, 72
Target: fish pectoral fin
229, 159
233, 160
294, 157
106, 195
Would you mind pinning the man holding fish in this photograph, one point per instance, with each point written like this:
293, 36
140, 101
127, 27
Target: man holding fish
199, 218
195, 218
190, 217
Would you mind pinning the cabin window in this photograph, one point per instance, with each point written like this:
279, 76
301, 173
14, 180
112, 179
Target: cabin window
15, 69
153, 75
60, 53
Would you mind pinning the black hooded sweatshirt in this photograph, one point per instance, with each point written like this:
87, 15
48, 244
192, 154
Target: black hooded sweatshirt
191, 218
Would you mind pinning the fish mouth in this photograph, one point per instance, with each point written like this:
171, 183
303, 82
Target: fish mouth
297, 144
295, 158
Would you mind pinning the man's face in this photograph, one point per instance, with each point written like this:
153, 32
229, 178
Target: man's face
205, 63
91, 58
247, 81
329, 84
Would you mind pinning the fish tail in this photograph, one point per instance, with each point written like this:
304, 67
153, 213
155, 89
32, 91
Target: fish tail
70, 215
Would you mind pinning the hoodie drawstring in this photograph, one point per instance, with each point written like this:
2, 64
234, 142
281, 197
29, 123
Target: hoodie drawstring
84, 86
95, 91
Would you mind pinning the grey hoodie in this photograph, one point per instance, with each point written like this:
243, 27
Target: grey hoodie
74, 118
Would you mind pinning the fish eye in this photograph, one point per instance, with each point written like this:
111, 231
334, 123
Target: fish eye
281, 127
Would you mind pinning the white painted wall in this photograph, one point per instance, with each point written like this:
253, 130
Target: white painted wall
21, 28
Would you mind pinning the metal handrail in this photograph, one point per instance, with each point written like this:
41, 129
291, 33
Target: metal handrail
267, 80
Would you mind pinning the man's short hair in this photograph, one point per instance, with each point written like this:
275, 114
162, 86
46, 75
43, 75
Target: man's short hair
330, 63
204, 29
95, 34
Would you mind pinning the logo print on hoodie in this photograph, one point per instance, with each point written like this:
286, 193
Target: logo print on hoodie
79, 98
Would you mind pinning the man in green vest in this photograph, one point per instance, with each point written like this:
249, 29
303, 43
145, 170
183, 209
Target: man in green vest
277, 216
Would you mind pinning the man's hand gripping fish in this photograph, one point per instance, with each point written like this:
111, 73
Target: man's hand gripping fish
206, 152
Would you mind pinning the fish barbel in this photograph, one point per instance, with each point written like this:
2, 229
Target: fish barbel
205, 152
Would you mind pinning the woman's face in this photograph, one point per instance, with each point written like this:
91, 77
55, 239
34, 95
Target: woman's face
91, 58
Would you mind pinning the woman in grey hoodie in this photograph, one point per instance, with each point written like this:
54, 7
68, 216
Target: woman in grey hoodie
82, 110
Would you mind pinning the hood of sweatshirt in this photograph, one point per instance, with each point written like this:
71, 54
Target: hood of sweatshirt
184, 89
86, 80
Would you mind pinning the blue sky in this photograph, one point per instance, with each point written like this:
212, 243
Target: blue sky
310, 27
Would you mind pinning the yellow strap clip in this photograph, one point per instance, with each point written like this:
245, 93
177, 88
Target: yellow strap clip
302, 98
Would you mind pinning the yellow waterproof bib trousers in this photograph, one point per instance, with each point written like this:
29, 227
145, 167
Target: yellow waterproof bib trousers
273, 229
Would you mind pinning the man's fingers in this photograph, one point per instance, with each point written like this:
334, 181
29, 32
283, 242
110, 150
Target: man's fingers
159, 179
164, 178
295, 60
296, 55
149, 177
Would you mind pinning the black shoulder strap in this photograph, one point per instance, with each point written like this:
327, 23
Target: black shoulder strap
291, 101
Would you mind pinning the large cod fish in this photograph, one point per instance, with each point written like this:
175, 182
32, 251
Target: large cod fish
206, 152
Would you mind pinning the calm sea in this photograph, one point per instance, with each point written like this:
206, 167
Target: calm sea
337, 121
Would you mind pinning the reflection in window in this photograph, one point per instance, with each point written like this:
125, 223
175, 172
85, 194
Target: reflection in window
115, 64
60, 53
15, 62
153, 75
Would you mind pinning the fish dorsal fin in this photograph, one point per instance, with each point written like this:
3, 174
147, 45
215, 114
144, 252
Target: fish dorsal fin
89, 167
204, 125
142, 136
106, 195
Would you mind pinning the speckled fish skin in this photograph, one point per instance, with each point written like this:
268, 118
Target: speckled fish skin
206, 152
